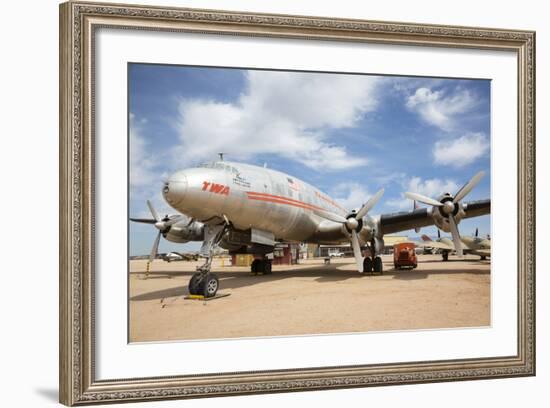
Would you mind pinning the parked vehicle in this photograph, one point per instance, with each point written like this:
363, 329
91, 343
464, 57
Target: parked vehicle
404, 255
336, 254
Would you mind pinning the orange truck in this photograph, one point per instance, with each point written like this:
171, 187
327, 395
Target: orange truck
404, 255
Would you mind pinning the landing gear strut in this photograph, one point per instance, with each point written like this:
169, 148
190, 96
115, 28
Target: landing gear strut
204, 282
261, 266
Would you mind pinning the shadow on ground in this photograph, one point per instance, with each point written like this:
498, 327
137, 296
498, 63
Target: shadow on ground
317, 273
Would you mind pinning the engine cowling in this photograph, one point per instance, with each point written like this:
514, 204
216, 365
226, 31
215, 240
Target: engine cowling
441, 214
181, 232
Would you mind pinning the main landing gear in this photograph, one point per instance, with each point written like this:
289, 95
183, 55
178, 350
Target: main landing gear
371, 265
261, 266
204, 282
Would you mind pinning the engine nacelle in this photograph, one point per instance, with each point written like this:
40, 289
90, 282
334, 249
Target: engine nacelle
182, 233
441, 219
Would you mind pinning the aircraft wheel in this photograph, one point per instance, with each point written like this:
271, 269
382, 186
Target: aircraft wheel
196, 284
267, 267
377, 265
367, 264
211, 285
445, 256
255, 266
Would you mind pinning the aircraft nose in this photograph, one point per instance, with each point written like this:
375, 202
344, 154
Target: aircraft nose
175, 188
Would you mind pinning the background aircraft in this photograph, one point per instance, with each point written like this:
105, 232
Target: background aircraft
246, 208
470, 245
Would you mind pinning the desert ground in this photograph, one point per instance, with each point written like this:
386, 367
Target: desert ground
308, 298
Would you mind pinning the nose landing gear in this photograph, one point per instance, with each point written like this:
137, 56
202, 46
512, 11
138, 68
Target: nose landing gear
204, 282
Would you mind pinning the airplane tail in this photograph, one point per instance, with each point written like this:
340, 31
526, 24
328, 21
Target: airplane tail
426, 238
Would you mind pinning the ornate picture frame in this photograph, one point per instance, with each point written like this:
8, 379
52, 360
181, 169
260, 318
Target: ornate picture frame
78, 24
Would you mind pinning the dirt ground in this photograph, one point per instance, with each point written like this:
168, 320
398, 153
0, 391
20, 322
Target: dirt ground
310, 298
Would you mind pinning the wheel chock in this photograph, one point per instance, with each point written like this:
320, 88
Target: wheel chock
206, 299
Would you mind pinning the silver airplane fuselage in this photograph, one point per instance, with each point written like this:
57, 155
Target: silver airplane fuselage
258, 198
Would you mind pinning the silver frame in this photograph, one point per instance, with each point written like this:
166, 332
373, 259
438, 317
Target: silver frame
78, 22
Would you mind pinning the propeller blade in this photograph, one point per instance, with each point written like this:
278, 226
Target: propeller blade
144, 220
357, 251
331, 216
423, 199
466, 188
369, 204
456, 237
173, 220
153, 211
155, 248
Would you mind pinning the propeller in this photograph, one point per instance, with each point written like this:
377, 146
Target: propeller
447, 207
353, 223
162, 224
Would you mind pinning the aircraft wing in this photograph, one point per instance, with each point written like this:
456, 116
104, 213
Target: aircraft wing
422, 217
435, 244
482, 252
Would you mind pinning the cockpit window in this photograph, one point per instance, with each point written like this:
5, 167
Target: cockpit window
220, 166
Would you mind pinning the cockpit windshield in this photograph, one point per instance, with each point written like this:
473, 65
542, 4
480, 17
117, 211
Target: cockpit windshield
220, 166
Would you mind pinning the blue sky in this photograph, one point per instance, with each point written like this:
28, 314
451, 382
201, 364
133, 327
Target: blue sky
349, 135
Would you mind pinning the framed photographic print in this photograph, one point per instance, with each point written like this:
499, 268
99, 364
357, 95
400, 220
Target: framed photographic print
256, 203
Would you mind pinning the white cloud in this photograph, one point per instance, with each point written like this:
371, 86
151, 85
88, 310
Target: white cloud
351, 195
462, 151
141, 163
281, 113
399, 204
429, 187
439, 109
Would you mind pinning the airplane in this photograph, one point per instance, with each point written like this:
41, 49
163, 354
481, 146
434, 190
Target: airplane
179, 256
171, 257
249, 209
470, 245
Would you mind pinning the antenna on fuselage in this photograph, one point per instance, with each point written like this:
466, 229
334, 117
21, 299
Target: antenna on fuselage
221, 156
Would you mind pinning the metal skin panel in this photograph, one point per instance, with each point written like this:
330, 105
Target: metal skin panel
268, 200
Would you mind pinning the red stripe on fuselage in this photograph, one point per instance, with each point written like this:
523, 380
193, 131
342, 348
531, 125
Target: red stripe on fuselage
282, 200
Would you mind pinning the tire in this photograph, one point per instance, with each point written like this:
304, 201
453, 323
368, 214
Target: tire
367, 264
196, 285
211, 285
445, 256
255, 267
267, 267
377, 265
